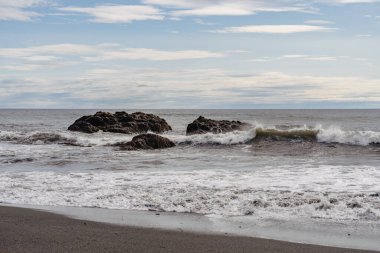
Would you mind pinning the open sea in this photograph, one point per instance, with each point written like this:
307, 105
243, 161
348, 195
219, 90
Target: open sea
336, 177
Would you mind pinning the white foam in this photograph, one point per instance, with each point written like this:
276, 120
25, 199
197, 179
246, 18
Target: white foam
325, 191
336, 134
332, 134
63, 137
230, 138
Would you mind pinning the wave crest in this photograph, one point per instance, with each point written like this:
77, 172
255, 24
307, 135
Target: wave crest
230, 138
257, 133
63, 138
337, 135
278, 135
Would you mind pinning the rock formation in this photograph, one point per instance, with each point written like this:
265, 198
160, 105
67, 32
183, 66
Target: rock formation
120, 122
146, 141
203, 125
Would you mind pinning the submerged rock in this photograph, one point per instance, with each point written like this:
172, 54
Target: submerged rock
120, 122
203, 125
146, 141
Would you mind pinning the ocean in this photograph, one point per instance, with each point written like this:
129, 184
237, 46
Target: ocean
336, 177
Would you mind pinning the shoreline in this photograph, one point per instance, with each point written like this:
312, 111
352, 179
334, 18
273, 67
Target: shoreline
43, 231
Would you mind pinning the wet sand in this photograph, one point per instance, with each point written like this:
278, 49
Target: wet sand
27, 230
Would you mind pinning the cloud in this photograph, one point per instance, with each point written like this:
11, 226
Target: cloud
309, 57
30, 58
228, 8
318, 22
22, 10
352, 1
153, 55
197, 88
18, 9
274, 29
297, 57
118, 13
243, 7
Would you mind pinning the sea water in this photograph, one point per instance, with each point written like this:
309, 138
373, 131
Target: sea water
334, 178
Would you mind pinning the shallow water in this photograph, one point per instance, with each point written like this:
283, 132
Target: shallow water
334, 177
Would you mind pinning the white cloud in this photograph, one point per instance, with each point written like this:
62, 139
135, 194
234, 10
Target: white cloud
353, 1
297, 57
118, 13
318, 22
18, 9
221, 10
322, 58
55, 55
108, 87
274, 29
152, 54
243, 7
21, 3
309, 57
229, 8
294, 56
265, 59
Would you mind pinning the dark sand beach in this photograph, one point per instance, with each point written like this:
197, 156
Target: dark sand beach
27, 230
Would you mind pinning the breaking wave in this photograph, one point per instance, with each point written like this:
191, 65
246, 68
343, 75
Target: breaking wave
231, 138
273, 134
258, 133
221, 192
319, 134
277, 135
64, 138
337, 135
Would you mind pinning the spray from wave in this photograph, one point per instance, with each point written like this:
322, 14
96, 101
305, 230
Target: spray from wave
63, 138
256, 134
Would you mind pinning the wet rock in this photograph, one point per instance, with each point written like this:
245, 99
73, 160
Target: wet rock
147, 141
203, 125
120, 122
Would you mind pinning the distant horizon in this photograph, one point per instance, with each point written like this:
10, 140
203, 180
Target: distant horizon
195, 109
198, 53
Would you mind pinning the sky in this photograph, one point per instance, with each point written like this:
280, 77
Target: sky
158, 54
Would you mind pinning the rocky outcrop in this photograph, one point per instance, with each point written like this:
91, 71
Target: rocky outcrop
203, 125
146, 141
120, 122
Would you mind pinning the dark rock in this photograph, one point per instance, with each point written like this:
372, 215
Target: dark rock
120, 122
203, 125
375, 144
147, 141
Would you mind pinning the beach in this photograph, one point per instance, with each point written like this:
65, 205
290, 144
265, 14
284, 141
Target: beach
190, 126
27, 230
